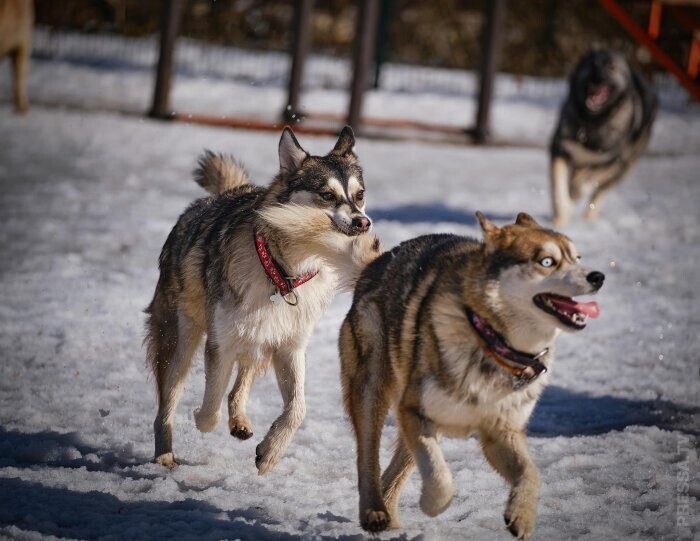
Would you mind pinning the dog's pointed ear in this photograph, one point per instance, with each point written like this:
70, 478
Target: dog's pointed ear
526, 220
290, 152
490, 230
346, 144
487, 226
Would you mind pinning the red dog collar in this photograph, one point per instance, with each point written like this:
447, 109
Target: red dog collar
285, 284
524, 367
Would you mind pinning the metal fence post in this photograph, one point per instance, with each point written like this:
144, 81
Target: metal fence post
380, 51
300, 50
490, 49
366, 31
171, 12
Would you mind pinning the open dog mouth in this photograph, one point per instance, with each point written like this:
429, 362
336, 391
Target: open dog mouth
597, 96
569, 311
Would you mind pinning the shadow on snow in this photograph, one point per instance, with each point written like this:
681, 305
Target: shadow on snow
433, 213
563, 412
89, 515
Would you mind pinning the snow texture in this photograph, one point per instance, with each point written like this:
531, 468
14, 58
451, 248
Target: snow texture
88, 198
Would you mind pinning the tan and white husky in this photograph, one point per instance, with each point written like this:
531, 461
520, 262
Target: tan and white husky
457, 336
254, 268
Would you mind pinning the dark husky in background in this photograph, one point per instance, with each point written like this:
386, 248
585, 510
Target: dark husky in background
215, 279
457, 336
604, 126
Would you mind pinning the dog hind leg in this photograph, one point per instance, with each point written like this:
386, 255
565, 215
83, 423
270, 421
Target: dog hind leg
238, 423
290, 370
507, 452
366, 393
172, 340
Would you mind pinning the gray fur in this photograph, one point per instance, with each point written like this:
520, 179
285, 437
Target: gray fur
595, 144
218, 173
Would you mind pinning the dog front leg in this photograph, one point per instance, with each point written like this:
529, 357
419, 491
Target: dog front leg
290, 368
560, 176
613, 177
218, 365
421, 437
238, 423
507, 452
393, 479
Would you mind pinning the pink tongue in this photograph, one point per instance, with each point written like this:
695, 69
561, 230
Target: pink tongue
591, 309
598, 95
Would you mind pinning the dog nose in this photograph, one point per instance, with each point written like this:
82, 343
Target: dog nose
596, 279
361, 222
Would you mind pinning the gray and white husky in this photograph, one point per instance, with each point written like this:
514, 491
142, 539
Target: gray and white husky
604, 126
226, 266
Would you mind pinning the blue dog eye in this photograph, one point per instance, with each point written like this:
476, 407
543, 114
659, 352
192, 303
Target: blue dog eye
547, 262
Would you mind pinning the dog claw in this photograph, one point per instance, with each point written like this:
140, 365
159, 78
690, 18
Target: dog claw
167, 460
240, 427
264, 461
241, 433
375, 520
519, 527
513, 528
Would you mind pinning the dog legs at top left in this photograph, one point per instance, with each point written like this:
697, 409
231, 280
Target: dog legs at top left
16, 23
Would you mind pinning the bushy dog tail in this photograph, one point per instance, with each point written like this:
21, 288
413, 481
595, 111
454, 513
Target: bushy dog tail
218, 173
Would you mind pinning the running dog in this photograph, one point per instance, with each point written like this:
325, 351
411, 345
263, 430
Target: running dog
457, 335
604, 126
254, 268
16, 23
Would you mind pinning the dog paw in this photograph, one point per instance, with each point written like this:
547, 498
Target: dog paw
437, 494
167, 460
591, 214
240, 427
375, 520
520, 517
206, 423
266, 457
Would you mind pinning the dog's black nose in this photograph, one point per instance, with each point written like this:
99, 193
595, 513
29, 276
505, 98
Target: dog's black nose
361, 222
596, 279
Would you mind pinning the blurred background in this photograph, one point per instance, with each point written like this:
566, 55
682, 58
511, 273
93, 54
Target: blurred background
540, 37
446, 47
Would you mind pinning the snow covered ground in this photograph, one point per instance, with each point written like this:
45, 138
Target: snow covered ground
86, 201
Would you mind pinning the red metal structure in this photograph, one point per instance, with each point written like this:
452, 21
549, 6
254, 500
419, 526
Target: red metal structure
687, 76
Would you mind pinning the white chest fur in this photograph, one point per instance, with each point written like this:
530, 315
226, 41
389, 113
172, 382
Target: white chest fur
254, 325
459, 414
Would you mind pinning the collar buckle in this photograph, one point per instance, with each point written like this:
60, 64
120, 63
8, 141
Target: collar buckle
523, 367
285, 285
